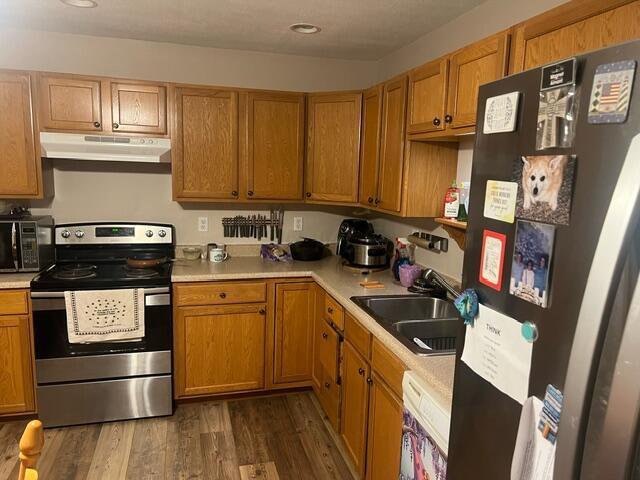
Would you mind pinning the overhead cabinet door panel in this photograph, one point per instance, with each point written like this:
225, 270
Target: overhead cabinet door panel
139, 108
275, 147
70, 103
428, 97
370, 148
205, 159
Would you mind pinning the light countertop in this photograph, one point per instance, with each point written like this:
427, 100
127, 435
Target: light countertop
16, 280
342, 283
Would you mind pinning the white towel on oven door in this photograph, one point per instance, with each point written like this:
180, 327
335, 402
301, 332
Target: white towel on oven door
105, 315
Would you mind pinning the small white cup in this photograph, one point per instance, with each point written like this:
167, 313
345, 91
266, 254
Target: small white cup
217, 255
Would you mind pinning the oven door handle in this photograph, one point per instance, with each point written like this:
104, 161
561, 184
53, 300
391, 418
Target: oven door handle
43, 301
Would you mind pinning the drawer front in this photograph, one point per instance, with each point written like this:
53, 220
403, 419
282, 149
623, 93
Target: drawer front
387, 366
334, 312
14, 302
359, 336
220, 293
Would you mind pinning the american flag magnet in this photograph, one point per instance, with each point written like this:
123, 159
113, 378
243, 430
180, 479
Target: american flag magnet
611, 91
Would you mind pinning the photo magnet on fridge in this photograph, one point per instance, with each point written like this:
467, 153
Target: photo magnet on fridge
611, 92
532, 255
546, 187
492, 259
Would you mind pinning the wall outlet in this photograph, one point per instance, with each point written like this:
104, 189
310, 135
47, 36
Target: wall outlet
297, 224
203, 224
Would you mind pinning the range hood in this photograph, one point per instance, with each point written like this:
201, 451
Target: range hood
105, 148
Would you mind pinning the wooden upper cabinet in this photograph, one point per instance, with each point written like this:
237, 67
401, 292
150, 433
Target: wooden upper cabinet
428, 97
20, 164
470, 67
70, 103
370, 144
573, 28
295, 307
139, 108
394, 109
333, 146
275, 146
205, 144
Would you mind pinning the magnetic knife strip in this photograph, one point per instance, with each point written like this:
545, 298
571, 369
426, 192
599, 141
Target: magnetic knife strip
255, 226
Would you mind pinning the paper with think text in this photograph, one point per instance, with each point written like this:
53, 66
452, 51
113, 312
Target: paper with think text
495, 349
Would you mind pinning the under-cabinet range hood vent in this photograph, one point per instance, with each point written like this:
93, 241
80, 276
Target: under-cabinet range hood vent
107, 148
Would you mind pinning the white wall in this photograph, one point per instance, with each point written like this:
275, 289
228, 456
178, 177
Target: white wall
137, 59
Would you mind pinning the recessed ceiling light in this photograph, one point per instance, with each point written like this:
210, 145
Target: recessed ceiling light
305, 28
80, 3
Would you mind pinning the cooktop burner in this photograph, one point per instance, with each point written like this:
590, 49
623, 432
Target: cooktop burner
75, 271
141, 272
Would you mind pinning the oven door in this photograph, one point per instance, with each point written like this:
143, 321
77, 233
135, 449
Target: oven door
8, 246
57, 360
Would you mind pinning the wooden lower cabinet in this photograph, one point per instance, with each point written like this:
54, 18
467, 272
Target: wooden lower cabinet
219, 349
355, 405
293, 332
384, 432
16, 354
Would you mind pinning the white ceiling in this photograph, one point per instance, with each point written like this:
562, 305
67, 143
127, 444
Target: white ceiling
351, 29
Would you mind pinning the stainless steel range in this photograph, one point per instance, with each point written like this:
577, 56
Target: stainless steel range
94, 382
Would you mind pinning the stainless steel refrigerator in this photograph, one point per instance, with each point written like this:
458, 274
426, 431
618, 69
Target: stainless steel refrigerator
589, 334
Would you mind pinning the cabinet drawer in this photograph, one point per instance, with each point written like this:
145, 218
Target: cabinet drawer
357, 335
334, 312
387, 366
14, 302
222, 293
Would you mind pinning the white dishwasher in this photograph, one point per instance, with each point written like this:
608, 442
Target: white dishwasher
425, 433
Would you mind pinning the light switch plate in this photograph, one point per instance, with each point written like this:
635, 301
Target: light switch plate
297, 224
203, 224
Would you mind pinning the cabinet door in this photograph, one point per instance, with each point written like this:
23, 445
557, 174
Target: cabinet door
385, 433
275, 149
355, 405
428, 96
370, 145
205, 151
333, 122
394, 111
21, 175
219, 349
16, 378
470, 67
294, 328
70, 103
139, 108
574, 28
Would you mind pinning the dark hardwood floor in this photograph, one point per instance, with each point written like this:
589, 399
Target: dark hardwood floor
273, 437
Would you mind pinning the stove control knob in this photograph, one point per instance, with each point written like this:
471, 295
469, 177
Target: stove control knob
65, 234
162, 233
79, 233
149, 233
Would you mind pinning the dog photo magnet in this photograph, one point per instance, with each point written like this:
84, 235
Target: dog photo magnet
545, 187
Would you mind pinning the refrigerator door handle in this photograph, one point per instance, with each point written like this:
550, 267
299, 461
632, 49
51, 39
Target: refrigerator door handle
594, 310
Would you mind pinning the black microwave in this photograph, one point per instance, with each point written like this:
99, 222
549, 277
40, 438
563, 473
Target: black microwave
26, 243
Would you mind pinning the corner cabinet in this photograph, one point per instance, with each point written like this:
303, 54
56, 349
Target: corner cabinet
16, 354
205, 144
19, 149
574, 28
275, 146
333, 146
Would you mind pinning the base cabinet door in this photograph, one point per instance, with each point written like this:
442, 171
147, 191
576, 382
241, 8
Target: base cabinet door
293, 332
385, 432
355, 405
16, 378
219, 349
19, 164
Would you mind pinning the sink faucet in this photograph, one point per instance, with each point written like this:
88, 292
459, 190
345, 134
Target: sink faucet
434, 278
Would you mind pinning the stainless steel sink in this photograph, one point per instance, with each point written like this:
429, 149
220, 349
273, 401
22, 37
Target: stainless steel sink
426, 325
